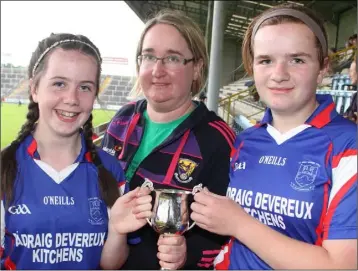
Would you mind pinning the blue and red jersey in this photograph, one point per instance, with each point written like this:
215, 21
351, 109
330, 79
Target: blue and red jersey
302, 183
57, 220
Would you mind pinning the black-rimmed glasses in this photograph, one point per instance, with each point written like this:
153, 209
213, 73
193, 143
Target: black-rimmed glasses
171, 61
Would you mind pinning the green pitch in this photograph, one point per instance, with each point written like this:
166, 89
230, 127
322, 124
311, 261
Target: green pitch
13, 116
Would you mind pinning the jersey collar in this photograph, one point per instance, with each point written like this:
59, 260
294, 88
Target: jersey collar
323, 114
30, 145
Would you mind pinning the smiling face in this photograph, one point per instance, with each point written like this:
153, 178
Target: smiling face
167, 88
286, 67
65, 92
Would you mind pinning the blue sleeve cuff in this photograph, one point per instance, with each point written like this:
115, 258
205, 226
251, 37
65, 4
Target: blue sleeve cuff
342, 233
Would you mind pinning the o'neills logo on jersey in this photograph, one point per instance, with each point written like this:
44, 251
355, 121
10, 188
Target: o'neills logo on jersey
58, 200
185, 169
305, 177
273, 160
20, 209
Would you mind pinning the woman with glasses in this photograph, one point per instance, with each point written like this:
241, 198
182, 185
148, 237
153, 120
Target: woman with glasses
170, 139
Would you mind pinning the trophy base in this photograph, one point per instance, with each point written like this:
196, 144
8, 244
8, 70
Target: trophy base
171, 229
171, 234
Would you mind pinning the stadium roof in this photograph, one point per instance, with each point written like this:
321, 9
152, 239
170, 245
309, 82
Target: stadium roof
238, 13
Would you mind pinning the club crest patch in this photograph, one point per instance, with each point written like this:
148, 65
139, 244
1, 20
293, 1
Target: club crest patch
95, 212
305, 177
184, 170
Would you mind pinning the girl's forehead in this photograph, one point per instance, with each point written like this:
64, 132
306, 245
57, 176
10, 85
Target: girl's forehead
283, 37
291, 29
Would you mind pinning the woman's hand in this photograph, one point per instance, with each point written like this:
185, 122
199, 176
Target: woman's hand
171, 251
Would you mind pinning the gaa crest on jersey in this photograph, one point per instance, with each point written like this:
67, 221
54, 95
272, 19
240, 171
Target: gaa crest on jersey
184, 170
305, 177
20, 209
95, 212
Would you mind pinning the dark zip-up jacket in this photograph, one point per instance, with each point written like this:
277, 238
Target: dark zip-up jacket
198, 151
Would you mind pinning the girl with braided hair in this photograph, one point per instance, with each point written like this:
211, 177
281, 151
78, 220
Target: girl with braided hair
58, 190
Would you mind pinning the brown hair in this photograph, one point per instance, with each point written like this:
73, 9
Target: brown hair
9, 168
247, 50
192, 34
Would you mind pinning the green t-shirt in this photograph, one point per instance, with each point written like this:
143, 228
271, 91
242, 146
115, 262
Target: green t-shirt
154, 134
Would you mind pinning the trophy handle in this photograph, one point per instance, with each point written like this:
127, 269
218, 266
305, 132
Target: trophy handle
149, 184
196, 189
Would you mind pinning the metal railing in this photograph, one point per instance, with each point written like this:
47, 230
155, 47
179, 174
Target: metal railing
227, 104
98, 141
344, 53
99, 131
341, 98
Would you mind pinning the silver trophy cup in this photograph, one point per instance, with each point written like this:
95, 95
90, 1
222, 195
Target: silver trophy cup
171, 210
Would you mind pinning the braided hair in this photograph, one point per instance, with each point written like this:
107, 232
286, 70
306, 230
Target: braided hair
38, 64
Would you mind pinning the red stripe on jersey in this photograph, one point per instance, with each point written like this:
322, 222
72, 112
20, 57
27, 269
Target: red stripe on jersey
335, 201
32, 148
175, 159
225, 136
205, 265
9, 264
88, 157
330, 147
189, 154
211, 252
227, 128
207, 260
337, 158
237, 153
323, 117
224, 264
121, 183
131, 128
319, 228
